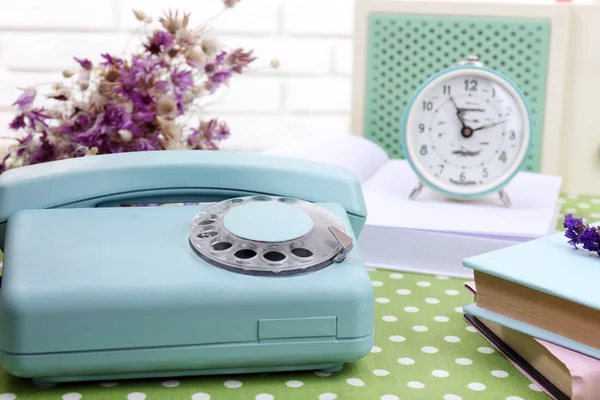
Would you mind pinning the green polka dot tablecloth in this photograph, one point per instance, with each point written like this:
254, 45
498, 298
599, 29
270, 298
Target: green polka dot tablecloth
423, 350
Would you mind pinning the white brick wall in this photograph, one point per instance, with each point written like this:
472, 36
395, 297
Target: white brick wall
309, 95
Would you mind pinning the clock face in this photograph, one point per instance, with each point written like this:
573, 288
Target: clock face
467, 132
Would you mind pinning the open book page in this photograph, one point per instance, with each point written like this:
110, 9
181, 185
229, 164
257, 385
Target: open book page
534, 198
355, 153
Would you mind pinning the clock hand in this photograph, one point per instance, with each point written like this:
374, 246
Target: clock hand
458, 113
489, 125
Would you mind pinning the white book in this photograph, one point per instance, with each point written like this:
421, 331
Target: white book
432, 234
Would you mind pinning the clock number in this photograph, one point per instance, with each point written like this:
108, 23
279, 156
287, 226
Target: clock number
512, 135
441, 168
421, 128
424, 150
485, 173
427, 105
447, 89
470, 85
493, 93
462, 177
503, 157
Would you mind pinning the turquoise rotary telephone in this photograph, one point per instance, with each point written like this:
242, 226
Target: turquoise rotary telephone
265, 277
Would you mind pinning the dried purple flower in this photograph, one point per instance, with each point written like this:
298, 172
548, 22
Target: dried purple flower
230, 3
133, 102
84, 62
579, 232
26, 98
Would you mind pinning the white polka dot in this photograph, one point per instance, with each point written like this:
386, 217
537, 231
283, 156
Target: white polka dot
397, 339
440, 373
68, 396
442, 277
452, 397
382, 300
458, 309
441, 318
411, 309
355, 382
514, 398
201, 396
233, 384
571, 196
594, 215
420, 328
485, 350
431, 300
476, 386
389, 397
328, 396
534, 387
595, 201
109, 384
396, 275
264, 396
322, 373
136, 396
406, 361
429, 349
452, 339
423, 283
583, 205
389, 318
375, 349
377, 283
570, 210
452, 292
463, 361
471, 329
561, 201
170, 383
381, 372
294, 384
403, 292
499, 374
415, 385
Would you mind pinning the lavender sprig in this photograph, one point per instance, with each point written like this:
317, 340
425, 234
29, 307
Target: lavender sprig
579, 232
140, 102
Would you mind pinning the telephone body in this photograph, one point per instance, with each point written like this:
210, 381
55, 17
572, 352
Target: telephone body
93, 291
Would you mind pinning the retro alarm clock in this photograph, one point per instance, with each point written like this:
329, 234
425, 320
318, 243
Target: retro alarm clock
467, 131
261, 274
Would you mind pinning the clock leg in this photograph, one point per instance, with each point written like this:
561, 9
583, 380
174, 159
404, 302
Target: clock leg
504, 197
415, 192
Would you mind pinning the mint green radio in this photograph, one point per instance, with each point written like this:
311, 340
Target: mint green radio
264, 275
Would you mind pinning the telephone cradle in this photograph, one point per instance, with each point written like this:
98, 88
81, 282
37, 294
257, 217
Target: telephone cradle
261, 274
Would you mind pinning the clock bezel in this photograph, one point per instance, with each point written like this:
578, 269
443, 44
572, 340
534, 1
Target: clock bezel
424, 175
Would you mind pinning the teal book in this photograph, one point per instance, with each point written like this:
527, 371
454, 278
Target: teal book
544, 288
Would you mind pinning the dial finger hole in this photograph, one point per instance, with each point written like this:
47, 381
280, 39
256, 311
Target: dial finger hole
206, 219
235, 201
302, 252
261, 198
274, 256
221, 246
245, 254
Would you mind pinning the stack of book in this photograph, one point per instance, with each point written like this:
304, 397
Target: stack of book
538, 304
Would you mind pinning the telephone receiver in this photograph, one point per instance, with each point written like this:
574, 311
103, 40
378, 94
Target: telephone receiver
174, 176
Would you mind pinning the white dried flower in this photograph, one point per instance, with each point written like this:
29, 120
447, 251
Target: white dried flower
210, 46
125, 135
139, 15
67, 73
275, 63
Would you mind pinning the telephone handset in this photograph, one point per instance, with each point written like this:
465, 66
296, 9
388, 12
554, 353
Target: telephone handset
267, 277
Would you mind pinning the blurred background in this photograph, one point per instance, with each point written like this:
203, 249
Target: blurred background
307, 96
